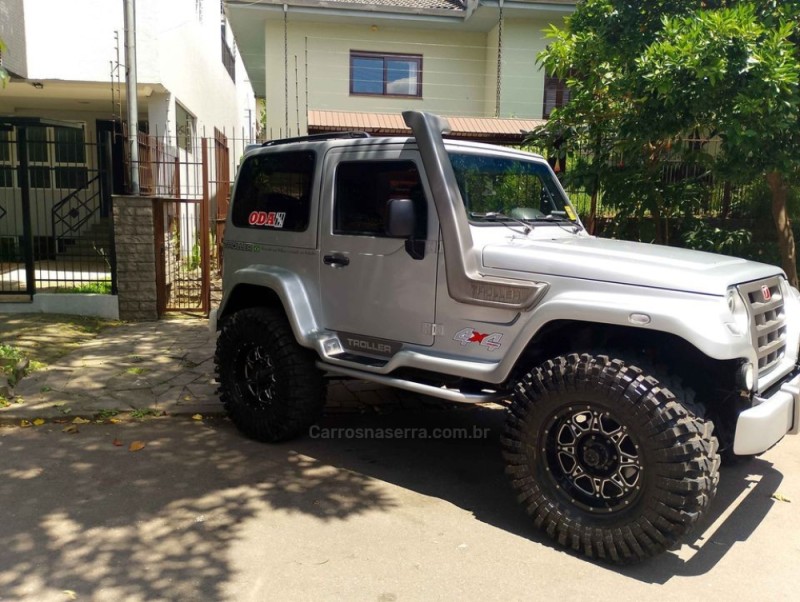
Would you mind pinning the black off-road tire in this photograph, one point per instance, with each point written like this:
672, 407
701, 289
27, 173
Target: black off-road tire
269, 384
606, 460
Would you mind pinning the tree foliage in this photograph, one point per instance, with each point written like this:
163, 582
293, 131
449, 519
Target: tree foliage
646, 76
3, 72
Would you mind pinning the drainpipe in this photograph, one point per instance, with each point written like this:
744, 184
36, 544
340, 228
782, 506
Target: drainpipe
286, 69
499, 59
130, 94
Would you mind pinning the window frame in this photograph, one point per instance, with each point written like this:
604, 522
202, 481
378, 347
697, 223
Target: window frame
241, 215
562, 94
51, 167
385, 57
8, 164
393, 165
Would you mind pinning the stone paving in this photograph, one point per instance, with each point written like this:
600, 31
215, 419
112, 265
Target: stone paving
164, 366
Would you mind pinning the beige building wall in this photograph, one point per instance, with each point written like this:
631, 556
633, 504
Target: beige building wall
454, 71
490, 86
522, 85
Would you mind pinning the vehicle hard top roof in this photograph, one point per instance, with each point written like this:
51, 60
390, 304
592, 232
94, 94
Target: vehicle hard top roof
360, 139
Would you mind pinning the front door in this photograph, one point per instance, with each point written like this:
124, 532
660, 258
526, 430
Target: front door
373, 285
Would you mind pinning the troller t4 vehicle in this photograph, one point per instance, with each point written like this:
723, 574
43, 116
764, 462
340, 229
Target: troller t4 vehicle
461, 271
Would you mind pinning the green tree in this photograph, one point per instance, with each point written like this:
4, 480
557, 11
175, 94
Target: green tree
644, 75
3, 73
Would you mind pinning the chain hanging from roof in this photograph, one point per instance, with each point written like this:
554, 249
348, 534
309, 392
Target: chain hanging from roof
499, 60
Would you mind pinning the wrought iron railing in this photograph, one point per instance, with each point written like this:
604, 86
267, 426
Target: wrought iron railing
75, 210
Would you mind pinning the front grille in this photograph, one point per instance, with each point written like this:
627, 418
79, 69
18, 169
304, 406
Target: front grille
767, 321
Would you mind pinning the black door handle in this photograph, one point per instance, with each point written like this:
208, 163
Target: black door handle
336, 260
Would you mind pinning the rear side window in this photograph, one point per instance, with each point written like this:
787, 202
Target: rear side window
363, 190
274, 192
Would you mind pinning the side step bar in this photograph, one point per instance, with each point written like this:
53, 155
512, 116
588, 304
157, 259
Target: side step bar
415, 387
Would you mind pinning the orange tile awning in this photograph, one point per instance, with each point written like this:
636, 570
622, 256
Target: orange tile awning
481, 129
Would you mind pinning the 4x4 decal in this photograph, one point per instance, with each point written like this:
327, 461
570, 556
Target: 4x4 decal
469, 336
273, 219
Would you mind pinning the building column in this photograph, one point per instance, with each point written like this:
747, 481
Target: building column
134, 238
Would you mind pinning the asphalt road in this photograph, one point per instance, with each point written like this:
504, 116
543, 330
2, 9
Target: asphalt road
200, 513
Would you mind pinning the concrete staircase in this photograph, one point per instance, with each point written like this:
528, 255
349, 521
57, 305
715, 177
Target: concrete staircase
92, 244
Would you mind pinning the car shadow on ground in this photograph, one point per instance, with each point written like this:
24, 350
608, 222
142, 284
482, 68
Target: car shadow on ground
469, 472
87, 517
84, 514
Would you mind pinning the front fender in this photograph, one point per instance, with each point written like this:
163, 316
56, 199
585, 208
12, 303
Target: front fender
701, 320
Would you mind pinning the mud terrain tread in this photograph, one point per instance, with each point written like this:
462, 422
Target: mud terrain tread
300, 384
680, 441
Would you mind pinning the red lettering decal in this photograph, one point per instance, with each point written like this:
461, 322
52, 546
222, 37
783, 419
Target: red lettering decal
262, 218
271, 218
252, 219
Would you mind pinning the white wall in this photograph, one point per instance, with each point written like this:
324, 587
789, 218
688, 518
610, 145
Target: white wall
71, 40
176, 48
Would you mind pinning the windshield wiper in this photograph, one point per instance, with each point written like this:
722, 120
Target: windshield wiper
553, 216
497, 216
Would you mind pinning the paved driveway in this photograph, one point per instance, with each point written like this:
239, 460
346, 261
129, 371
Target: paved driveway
202, 514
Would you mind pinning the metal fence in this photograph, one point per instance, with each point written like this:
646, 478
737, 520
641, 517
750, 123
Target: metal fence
679, 171
190, 178
56, 233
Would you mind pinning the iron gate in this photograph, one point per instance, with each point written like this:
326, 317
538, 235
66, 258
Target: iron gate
55, 206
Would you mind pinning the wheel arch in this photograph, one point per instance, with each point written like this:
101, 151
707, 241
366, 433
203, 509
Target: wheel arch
274, 287
697, 369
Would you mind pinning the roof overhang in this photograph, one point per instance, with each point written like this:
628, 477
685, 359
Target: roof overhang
480, 129
7, 122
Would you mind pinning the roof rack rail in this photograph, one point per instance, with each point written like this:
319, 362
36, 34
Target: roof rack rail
316, 137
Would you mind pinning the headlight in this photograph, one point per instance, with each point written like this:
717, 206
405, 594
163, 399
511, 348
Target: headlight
747, 376
789, 292
740, 321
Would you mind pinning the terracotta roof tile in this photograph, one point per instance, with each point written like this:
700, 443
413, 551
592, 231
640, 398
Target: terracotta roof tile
391, 124
436, 4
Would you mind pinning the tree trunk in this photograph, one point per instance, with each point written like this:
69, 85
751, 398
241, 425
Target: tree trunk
591, 227
783, 225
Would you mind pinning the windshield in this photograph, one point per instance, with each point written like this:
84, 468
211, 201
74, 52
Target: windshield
495, 188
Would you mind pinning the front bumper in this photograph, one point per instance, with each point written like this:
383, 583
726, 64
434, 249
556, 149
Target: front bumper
762, 426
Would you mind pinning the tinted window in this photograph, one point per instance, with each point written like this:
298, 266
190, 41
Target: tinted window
364, 188
274, 192
518, 188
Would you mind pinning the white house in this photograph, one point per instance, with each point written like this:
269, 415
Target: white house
67, 92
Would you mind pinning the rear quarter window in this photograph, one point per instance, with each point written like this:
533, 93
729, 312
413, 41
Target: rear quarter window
273, 192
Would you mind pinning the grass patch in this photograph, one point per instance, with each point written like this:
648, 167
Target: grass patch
106, 414
136, 370
88, 288
45, 338
142, 413
10, 357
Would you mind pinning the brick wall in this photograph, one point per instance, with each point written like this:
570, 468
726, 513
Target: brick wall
136, 261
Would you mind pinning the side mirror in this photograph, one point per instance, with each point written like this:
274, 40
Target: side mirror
400, 218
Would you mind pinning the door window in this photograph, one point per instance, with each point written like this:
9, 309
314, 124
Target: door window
363, 191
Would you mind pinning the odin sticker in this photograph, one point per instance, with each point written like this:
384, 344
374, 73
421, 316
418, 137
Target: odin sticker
469, 336
272, 219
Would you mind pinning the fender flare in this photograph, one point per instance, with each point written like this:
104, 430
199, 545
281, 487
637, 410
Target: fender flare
290, 290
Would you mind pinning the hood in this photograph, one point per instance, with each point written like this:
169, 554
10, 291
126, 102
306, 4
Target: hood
624, 262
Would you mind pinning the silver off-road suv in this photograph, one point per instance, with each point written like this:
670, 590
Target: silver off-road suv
461, 271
